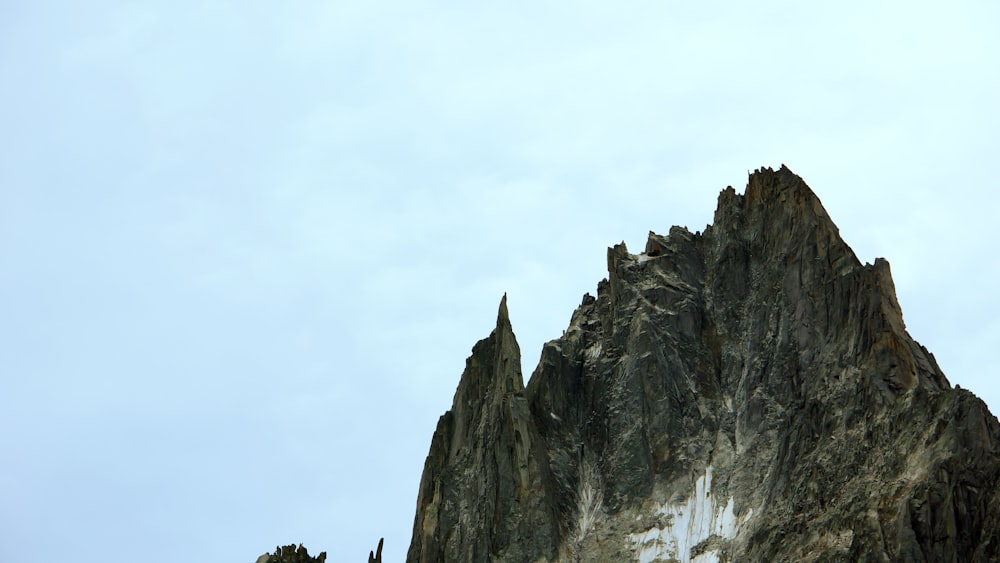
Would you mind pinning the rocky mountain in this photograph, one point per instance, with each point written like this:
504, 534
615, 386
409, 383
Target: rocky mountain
747, 393
292, 554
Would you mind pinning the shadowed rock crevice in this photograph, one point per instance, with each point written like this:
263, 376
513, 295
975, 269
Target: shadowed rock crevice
746, 393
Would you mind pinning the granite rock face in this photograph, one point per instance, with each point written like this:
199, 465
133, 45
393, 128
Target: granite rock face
748, 393
486, 490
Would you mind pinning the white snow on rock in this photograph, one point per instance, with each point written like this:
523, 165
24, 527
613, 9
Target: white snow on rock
686, 525
594, 351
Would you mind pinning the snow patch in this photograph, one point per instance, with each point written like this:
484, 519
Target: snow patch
683, 526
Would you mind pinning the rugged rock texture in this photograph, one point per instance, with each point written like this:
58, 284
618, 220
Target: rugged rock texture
486, 489
749, 393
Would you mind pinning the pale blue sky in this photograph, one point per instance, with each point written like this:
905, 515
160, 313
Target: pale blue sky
246, 247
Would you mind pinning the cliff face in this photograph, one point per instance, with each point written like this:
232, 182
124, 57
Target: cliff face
749, 393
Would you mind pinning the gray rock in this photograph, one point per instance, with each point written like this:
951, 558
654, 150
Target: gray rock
484, 492
749, 393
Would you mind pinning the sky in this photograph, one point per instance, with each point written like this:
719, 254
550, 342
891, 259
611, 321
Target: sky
246, 247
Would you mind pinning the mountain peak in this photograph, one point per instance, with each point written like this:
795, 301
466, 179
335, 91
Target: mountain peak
748, 393
503, 504
503, 316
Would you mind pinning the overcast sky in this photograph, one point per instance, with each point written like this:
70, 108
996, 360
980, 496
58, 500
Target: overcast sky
246, 247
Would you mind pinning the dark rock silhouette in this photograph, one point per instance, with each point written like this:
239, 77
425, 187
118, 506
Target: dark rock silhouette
376, 556
749, 393
291, 554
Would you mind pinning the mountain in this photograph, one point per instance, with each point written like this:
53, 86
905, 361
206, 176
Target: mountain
748, 393
292, 554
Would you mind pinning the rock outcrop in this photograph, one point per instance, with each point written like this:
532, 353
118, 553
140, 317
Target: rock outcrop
748, 393
486, 489
376, 556
291, 554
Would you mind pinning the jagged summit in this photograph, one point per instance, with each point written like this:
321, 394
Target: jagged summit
485, 482
780, 203
748, 393
503, 317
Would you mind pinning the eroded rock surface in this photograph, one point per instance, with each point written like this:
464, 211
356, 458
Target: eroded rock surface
749, 393
485, 491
